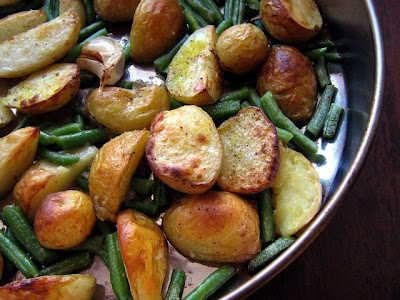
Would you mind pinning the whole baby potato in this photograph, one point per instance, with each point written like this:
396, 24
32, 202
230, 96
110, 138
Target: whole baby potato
157, 26
214, 227
64, 219
290, 76
116, 10
242, 48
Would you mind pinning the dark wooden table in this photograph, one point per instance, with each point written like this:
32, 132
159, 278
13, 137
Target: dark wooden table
357, 256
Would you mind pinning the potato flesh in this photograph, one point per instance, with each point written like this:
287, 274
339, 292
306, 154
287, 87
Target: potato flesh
17, 152
39, 47
6, 115
45, 178
76, 6
46, 90
194, 75
297, 192
144, 253
304, 12
112, 170
56, 287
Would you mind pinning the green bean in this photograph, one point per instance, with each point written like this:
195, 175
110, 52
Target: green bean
322, 72
104, 256
222, 110
118, 278
334, 57
240, 94
93, 244
17, 257
211, 5
164, 60
68, 265
127, 49
46, 124
269, 105
146, 207
206, 13
26, 236
228, 10
239, 9
80, 120
79, 110
176, 285
315, 53
316, 44
284, 135
56, 8
212, 283
259, 24
49, 16
270, 252
46, 139
317, 121
224, 25
48, 9
254, 99
82, 182
63, 159
245, 104
91, 29
63, 129
161, 192
90, 13
127, 85
332, 121
142, 186
319, 159
79, 139
191, 20
266, 213
175, 103
253, 4
199, 19
87, 78
26, 121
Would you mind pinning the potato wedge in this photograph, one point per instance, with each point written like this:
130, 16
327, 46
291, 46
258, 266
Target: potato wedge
39, 47
56, 287
45, 178
214, 227
251, 152
76, 6
184, 149
297, 192
144, 253
194, 75
291, 21
116, 10
124, 110
45, 90
20, 22
6, 115
112, 170
17, 152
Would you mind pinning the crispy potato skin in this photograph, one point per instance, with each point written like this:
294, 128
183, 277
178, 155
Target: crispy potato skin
251, 152
290, 76
116, 10
157, 26
184, 149
124, 110
214, 227
297, 192
291, 21
64, 219
57, 287
17, 152
112, 169
242, 48
144, 253
45, 90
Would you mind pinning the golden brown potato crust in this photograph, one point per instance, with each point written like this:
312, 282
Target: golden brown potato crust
64, 220
157, 26
214, 227
116, 10
290, 76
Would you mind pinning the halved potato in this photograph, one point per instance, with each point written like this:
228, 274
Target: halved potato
20, 22
291, 21
144, 254
215, 227
123, 109
39, 47
6, 115
194, 75
17, 152
297, 192
45, 178
56, 287
184, 149
112, 169
251, 152
116, 10
76, 6
45, 90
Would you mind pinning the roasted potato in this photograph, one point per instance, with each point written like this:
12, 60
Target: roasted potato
64, 219
8, 2
291, 21
184, 149
214, 227
124, 110
194, 75
6, 115
290, 76
56, 287
76, 6
112, 169
39, 47
20, 22
17, 152
251, 152
45, 178
116, 10
297, 192
157, 26
45, 90
144, 254
242, 48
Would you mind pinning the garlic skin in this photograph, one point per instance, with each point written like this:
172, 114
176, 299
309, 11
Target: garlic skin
104, 57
